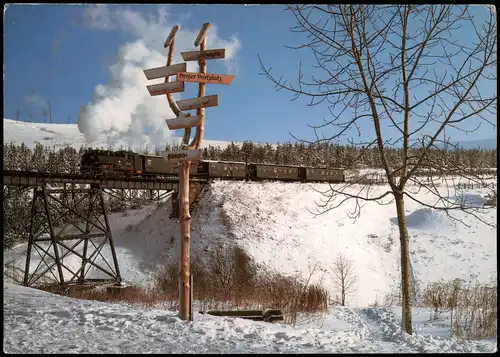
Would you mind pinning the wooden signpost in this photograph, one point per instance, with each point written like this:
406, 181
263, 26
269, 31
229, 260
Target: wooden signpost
183, 122
182, 155
198, 103
203, 55
205, 78
165, 88
165, 71
190, 151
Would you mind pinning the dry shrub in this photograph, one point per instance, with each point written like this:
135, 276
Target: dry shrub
476, 312
441, 295
473, 307
231, 279
128, 294
228, 279
436, 296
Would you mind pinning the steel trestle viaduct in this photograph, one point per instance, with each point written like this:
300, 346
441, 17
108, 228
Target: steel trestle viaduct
81, 228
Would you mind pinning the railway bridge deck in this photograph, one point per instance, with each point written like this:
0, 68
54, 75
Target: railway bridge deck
86, 215
31, 178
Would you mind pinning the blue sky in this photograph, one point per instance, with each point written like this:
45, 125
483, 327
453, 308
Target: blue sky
61, 53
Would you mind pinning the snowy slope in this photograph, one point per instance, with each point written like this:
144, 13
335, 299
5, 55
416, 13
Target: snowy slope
39, 322
272, 223
68, 134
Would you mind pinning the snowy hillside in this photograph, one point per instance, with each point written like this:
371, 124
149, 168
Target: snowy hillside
39, 322
68, 134
272, 223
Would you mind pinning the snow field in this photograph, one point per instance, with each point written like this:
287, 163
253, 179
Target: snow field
40, 322
272, 223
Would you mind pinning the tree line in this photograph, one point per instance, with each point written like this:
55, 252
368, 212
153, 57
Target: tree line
343, 156
67, 159
17, 203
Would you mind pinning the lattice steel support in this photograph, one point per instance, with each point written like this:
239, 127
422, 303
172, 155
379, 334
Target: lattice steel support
126, 195
57, 230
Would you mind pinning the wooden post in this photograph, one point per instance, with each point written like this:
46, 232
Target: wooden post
190, 151
202, 89
185, 222
185, 298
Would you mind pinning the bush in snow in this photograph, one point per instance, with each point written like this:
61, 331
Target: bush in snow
473, 307
230, 279
476, 311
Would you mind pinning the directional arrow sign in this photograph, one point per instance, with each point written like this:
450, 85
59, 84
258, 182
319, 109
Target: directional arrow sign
165, 88
183, 122
208, 54
201, 102
182, 155
205, 77
165, 71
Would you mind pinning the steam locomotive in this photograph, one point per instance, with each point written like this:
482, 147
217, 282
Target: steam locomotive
127, 163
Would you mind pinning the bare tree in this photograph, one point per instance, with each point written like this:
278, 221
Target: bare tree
409, 71
345, 275
18, 114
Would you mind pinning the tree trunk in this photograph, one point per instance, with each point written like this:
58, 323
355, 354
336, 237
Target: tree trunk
405, 263
343, 292
185, 223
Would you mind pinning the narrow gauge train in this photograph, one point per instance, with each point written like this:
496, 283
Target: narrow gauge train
119, 163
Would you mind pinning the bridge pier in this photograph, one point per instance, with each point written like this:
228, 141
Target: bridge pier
57, 229
52, 248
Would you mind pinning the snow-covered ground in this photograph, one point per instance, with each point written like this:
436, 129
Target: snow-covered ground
60, 135
39, 322
272, 222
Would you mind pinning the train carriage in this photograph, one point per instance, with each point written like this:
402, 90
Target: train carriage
152, 165
323, 174
224, 170
274, 172
157, 165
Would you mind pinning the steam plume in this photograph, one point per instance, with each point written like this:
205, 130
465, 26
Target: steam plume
123, 107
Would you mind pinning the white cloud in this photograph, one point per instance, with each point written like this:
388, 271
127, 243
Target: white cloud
124, 105
37, 100
98, 17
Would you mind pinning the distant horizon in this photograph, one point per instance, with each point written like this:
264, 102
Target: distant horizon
178, 137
